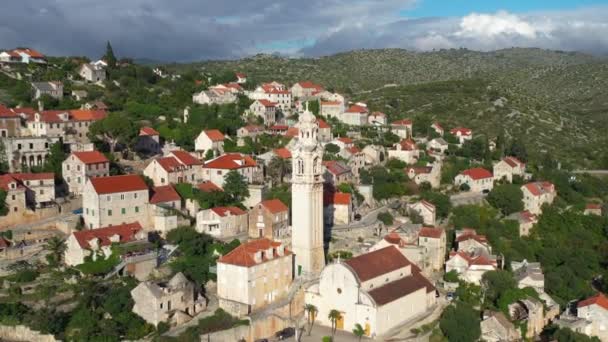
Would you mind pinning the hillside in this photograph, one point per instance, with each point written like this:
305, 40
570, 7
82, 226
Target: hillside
557, 102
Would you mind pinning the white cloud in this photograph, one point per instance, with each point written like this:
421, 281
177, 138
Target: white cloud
490, 25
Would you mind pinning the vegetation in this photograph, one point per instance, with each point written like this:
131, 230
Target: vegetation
358, 331
508, 198
460, 323
3, 207
311, 314
386, 218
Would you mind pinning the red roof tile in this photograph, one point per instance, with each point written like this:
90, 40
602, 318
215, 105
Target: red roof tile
345, 140
403, 122
162, 194
114, 184
31, 52
208, 186
539, 188
283, 153
336, 198
330, 103
513, 162
240, 75
292, 132
32, 176
169, 164
395, 239
374, 264
87, 115
461, 130
91, 157
244, 255
593, 206
225, 211
254, 128
310, 85
126, 233
418, 170
267, 103
214, 135
408, 145
335, 167
274, 206
186, 158
477, 173
472, 236
148, 131
357, 109
431, 232
230, 161
599, 299
323, 124
401, 288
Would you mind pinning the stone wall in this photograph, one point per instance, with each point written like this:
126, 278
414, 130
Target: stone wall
23, 333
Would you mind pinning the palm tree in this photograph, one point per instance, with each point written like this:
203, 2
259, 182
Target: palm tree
56, 246
311, 315
358, 331
334, 316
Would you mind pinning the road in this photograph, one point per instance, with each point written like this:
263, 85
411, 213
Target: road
466, 198
592, 172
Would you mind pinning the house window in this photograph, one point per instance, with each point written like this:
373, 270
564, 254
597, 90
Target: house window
109, 212
122, 196
108, 198
42, 192
123, 211
135, 195
136, 209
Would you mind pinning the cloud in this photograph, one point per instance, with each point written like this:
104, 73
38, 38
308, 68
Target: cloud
189, 30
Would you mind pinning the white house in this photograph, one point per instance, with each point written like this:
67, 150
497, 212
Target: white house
507, 168
222, 222
214, 96
462, 134
98, 242
265, 109
178, 167
337, 208
378, 290
211, 139
402, 128
355, 115
470, 267
115, 200
536, 194
425, 210
477, 179
377, 119
595, 310
92, 72
435, 126
438, 146
332, 109
305, 89
82, 165
240, 78
425, 174
406, 151
216, 169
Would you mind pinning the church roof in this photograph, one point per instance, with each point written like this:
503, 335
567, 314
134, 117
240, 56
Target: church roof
374, 264
401, 288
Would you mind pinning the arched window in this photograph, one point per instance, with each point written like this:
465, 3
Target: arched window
315, 166
300, 166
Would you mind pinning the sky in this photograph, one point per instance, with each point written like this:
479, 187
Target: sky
191, 30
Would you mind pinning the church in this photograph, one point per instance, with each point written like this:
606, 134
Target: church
379, 290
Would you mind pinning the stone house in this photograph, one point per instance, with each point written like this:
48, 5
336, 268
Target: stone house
531, 311
377, 119
98, 242
72, 126
15, 194
249, 131
477, 179
269, 219
495, 327
265, 109
332, 109
355, 115
374, 154
536, 194
163, 200
343, 142
27, 151
338, 208
216, 169
79, 166
418, 255
10, 121
593, 209
438, 146
336, 173
406, 151
324, 133
92, 72
53, 89
469, 241
379, 290
214, 96
462, 134
529, 274
595, 310
253, 275
28, 190
526, 221
434, 241
222, 222
305, 89
402, 128
115, 200
178, 167
175, 301
148, 141
355, 161
470, 266
435, 126
425, 210
425, 174
507, 168
211, 139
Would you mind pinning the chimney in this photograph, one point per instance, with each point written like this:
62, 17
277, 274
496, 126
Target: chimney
40, 106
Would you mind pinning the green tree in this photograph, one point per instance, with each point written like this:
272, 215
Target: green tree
497, 283
3, 207
334, 316
441, 202
278, 168
115, 129
109, 57
517, 149
56, 247
4, 166
508, 198
235, 186
460, 323
359, 331
386, 218
332, 148
55, 160
311, 315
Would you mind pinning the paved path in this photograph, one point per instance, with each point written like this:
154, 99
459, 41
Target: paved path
466, 198
592, 172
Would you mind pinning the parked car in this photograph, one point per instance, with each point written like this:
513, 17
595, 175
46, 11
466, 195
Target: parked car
286, 333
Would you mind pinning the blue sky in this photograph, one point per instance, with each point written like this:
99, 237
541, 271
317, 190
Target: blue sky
453, 8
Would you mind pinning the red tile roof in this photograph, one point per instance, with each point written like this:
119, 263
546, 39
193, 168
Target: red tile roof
395, 239
283, 153
336, 198
378, 114
225, 211
31, 52
593, 206
357, 109
310, 85
402, 122
474, 260
126, 233
539, 188
114, 184
169, 164
230, 161
477, 173
279, 127
472, 236
32, 176
599, 299
418, 170
87, 115
431, 232
292, 132
240, 75
4, 243
353, 150
323, 124
148, 131
513, 162
91, 157
408, 145
345, 140
244, 255
214, 135
267, 103
208, 186
6, 180
374, 264
186, 158
330, 103
335, 167
461, 130
274, 206
528, 216
163, 194
401, 288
